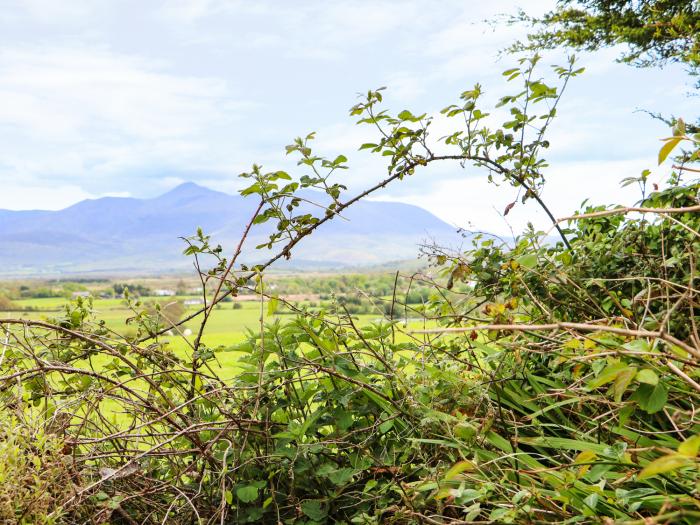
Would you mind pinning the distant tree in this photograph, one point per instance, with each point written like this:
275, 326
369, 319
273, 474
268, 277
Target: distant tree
655, 31
181, 288
168, 313
134, 289
6, 304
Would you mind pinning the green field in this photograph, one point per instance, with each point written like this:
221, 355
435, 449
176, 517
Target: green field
226, 326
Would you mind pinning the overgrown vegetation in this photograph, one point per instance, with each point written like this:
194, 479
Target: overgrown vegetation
543, 382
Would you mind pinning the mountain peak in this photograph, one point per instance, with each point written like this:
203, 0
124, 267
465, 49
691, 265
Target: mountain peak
187, 188
187, 191
114, 234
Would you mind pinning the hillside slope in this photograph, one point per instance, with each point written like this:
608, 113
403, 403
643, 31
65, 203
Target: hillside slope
124, 234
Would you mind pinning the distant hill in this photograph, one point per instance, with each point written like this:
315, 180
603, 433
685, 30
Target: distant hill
128, 234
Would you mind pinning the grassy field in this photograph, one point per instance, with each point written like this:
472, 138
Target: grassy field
226, 326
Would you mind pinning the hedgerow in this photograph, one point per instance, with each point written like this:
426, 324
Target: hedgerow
548, 381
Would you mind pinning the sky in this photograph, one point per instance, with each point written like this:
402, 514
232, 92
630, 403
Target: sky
131, 98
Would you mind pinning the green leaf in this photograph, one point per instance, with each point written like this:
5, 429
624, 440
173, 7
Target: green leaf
310, 421
386, 426
465, 430
647, 376
228, 496
651, 398
668, 147
690, 446
585, 457
563, 443
591, 501
313, 509
341, 476
272, 305
608, 374
528, 260
458, 468
622, 381
664, 464
247, 493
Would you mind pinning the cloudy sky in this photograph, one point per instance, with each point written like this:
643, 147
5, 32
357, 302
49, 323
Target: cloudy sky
132, 98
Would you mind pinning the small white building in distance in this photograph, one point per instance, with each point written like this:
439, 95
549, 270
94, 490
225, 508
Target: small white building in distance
164, 293
75, 295
190, 302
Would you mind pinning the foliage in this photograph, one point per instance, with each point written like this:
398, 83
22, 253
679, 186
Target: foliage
332, 422
165, 313
655, 32
134, 289
545, 382
6, 304
35, 474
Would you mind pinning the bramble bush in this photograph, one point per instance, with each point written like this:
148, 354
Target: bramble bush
547, 382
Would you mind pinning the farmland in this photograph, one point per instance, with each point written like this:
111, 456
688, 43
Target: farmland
227, 326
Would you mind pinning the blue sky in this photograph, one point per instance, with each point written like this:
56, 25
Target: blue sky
131, 98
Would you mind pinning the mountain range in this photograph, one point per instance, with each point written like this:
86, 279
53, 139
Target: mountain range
118, 234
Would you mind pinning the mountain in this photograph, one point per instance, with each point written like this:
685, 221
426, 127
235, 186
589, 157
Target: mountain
128, 234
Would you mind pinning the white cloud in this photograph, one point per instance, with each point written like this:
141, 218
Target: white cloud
472, 202
142, 96
80, 112
299, 30
62, 93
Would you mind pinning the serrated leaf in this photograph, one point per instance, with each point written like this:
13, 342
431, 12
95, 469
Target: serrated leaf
313, 509
341, 476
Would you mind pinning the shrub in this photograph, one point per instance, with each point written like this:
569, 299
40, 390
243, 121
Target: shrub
6, 304
36, 476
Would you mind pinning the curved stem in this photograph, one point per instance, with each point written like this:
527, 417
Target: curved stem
286, 250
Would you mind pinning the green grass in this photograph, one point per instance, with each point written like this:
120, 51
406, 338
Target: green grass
226, 326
